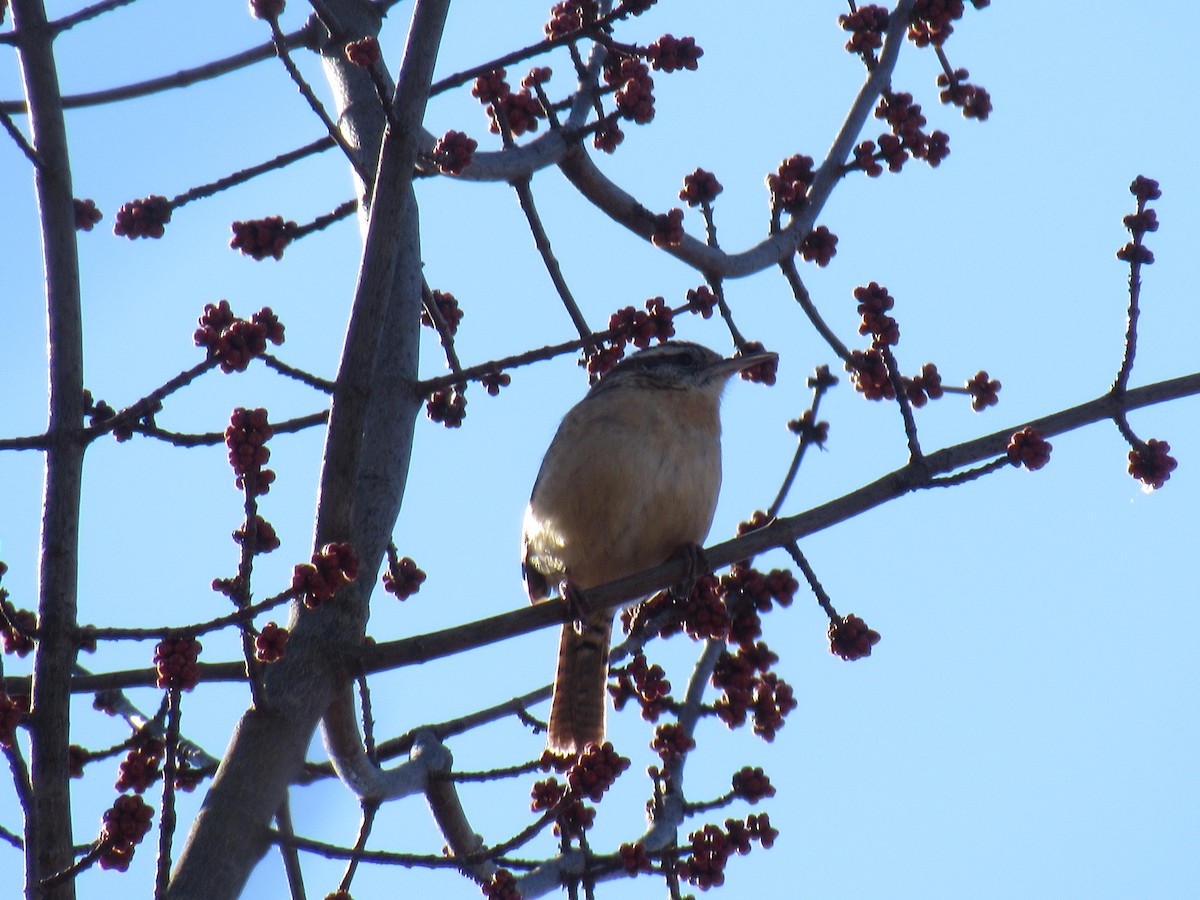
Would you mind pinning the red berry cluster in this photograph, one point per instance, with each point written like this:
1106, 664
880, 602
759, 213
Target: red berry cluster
671, 742
752, 785
705, 615
608, 135
447, 307
233, 588
974, 101
86, 215
670, 54
634, 326
635, 96
924, 387
668, 229
233, 341
270, 644
808, 429
519, 111
931, 20
18, 628
363, 53
850, 638
260, 238
142, 765
265, 538
538, 75
865, 158
907, 122
546, 794
1028, 448
126, 822
448, 406
760, 373
1151, 463
502, 886
508, 112
819, 246
570, 16
984, 391
866, 25
749, 686
869, 372
702, 300
175, 661
246, 437
490, 86
332, 567
453, 152
699, 188
11, 712
603, 359
1140, 222
403, 579
493, 381
595, 771
647, 683
143, 218
873, 304
789, 185
634, 859
711, 848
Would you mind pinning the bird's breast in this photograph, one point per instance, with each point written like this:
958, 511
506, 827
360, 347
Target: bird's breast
626, 481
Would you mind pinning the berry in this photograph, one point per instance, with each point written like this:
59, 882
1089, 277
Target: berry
86, 215
1152, 464
850, 638
143, 218
1028, 448
752, 784
175, 660
332, 567
700, 187
670, 54
453, 152
271, 643
363, 53
403, 579
983, 391
260, 238
668, 229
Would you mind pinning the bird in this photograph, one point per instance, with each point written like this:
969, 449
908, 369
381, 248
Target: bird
630, 479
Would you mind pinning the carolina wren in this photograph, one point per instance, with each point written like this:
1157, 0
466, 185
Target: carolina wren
631, 476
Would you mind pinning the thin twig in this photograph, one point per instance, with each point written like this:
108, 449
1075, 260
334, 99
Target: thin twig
19, 139
86, 14
210, 438
910, 423
166, 830
800, 292
542, 241
283, 52
284, 159
181, 79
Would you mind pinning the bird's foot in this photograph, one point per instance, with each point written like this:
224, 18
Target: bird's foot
696, 566
576, 603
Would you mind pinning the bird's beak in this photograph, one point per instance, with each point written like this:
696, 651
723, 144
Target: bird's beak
727, 367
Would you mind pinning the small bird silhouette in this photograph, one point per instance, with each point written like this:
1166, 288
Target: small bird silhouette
630, 478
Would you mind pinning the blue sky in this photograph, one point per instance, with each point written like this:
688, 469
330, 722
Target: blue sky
1026, 727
